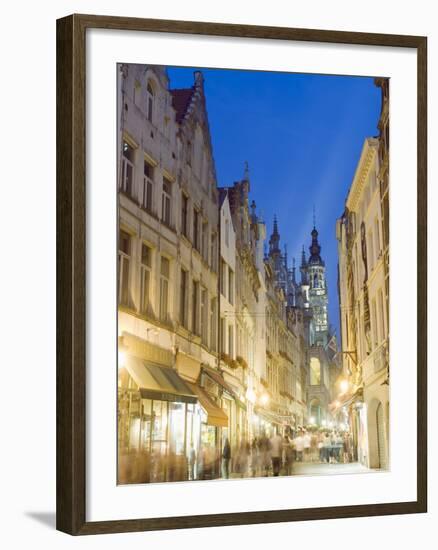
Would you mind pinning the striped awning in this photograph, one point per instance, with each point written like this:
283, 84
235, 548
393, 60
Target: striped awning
158, 382
215, 415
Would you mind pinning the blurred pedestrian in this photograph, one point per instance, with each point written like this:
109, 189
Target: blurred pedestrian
307, 439
288, 455
299, 447
226, 457
276, 452
192, 462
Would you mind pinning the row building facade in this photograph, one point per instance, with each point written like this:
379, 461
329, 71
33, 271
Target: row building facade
363, 292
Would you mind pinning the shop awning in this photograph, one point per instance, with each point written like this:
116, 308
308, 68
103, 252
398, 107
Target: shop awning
217, 377
215, 415
157, 382
346, 400
273, 418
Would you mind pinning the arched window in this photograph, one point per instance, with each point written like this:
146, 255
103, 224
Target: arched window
150, 96
315, 371
315, 281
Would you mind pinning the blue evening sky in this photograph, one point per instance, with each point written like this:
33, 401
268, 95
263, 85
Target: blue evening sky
302, 136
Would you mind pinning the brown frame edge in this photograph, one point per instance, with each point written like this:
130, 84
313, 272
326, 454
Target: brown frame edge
71, 261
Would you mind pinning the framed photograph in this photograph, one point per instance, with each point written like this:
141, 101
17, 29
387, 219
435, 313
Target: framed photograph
241, 274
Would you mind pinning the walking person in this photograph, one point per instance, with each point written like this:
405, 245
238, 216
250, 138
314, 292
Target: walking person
192, 462
326, 447
299, 447
226, 457
288, 455
307, 440
276, 452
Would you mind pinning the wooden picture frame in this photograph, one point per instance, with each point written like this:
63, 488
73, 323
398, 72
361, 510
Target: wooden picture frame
71, 273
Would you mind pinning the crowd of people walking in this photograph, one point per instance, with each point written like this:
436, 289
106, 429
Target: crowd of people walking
276, 455
263, 456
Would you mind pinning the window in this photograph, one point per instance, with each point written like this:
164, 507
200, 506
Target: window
148, 186
127, 183
196, 229
150, 102
205, 240
124, 261
213, 252
370, 252
137, 93
381, 315
231, 341
164, 288
374, 326
145, 274
204, 316
223, 335
195, 294
165, 201
377, 237
223, 282
184, 214
183, 298
230, 286
213, 323
315, 371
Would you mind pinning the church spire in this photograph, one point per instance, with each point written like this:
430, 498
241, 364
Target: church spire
274, 241
246, 172
293, 272
315, 249
303, 267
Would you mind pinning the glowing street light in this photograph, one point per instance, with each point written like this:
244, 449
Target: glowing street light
250, 395
344, 386
264, 399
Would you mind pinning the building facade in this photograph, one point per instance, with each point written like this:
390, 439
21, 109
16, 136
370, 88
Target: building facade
364, 313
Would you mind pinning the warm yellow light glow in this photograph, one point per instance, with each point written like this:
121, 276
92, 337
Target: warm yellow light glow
250, 395
344, 386
337, 404
312, 420
324, 423
122, 359
264, 399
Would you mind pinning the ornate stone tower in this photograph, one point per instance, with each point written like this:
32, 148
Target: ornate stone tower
317, 294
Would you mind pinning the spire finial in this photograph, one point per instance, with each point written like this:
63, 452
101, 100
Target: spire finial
246, 171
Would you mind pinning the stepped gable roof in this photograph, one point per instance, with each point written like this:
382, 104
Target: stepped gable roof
181, 99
